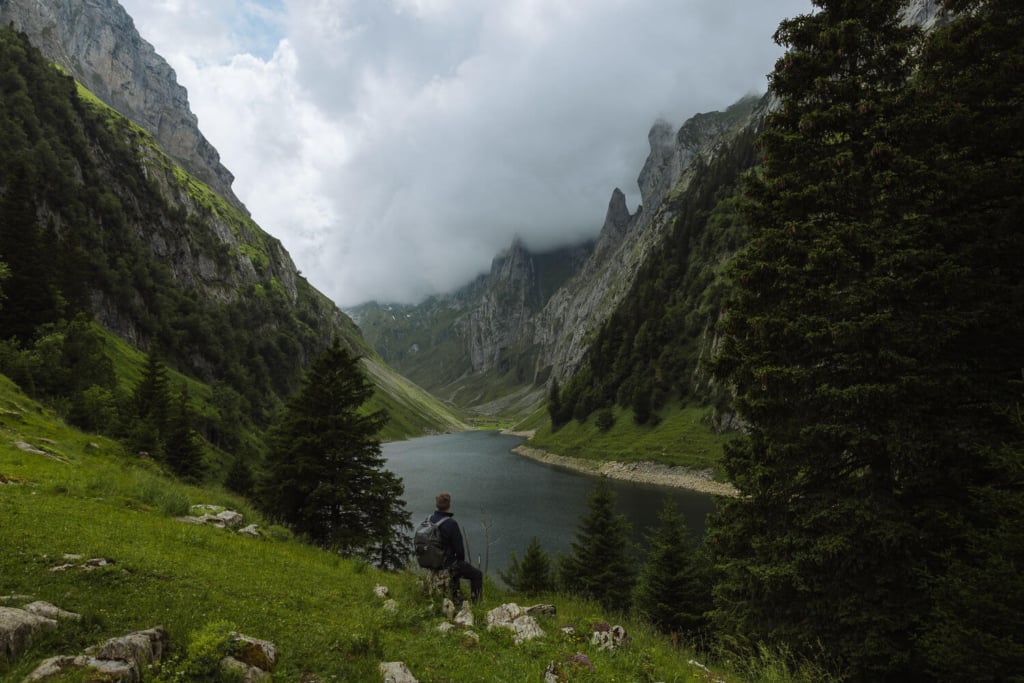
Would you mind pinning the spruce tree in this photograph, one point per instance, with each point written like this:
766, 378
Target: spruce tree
183, 451
674, 588
533, 575
600, 563
873, 341
324, 474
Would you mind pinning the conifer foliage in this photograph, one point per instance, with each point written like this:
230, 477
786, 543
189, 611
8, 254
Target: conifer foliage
534, 574
873, 339
601, 563
325, 475
674, 588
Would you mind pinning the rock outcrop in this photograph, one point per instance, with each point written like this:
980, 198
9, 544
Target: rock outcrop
96, 42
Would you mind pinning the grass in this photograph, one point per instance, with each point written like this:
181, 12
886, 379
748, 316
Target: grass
682, 437
84, 496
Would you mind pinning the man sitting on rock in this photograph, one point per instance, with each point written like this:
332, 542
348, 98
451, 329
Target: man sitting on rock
455, 552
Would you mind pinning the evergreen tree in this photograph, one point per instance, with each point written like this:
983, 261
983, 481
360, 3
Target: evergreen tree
325, 475
600, 562
555, 404
874, 343
674, 588
532, 576
150, 408
239, 478
182, 448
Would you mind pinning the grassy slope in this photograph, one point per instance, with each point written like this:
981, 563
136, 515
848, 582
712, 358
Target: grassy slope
318, 608
682, 437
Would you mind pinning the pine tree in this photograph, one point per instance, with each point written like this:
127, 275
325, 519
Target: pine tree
150, 408
874, 343
674, 588
325, 475
600, 562
182, 448
532, 576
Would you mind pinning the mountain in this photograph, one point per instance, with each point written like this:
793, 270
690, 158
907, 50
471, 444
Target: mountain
96, 43
496, 333
132, 221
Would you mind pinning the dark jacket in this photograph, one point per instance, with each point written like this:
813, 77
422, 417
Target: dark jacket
451, 536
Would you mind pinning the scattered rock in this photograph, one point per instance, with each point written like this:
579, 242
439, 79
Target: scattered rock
87, 566
252, 531
446, 627
14, 597
380, 591
512, 617
465, 615
472, 635
106, 669
18, 628
611, 639
390, 605
254, 652
140, 648
396, 672
545, 610
249, 673
448, 609
45, 609
231, 519
568, 631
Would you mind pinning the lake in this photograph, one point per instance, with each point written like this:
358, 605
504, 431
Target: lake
501, 499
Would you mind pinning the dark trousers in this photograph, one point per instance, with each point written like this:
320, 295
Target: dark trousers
464, 570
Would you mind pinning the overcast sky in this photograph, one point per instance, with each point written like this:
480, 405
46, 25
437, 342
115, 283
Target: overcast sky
396, 146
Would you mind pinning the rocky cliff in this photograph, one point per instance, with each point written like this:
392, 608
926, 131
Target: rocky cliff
96, 42
502, 332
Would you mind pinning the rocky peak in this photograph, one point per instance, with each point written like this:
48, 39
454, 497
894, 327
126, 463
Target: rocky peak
658, 167
96, 42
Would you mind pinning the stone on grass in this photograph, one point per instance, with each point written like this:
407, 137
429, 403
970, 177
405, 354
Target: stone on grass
543, 610
45, 609
512, 617
396, 672
465, 615
448, 609
141, 647
447, 627
252, 531
380, 591
391, 605
612, 639
18, 628
103, 669
248, 672
253, 651
231, 519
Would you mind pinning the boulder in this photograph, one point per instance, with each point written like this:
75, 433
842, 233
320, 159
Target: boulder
102, 670
45, 609
396, 672
545, 610
249, 673
465, 615
141, 647
612, 639
514, 618
254, 652
252, 531
448, 609
18, 628
231, 519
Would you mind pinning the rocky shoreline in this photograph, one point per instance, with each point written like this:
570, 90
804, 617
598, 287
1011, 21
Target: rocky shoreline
642, 472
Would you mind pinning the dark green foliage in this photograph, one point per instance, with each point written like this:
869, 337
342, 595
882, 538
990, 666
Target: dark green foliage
647, 350
183, 450
150, 409
674, 587
325, 475
532, 576
240, 478
605, 419
874, 343
601, 562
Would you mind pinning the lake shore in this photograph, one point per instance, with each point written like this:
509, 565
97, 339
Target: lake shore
643, 472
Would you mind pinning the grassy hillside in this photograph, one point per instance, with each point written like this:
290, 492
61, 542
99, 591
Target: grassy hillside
76, 493
682, 437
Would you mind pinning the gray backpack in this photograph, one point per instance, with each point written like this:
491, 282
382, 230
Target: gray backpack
428, 544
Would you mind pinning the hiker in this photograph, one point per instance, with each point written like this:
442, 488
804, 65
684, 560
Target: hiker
454, 551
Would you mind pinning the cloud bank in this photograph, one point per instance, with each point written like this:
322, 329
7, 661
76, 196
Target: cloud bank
396, 146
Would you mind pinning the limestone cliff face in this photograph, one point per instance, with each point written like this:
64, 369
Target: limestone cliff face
563, 328
97, 43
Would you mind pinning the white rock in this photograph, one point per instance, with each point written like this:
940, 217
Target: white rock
45, 609
396, 672
465, 615
380, 591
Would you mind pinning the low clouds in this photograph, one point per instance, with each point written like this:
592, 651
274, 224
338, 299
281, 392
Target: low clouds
395, 146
